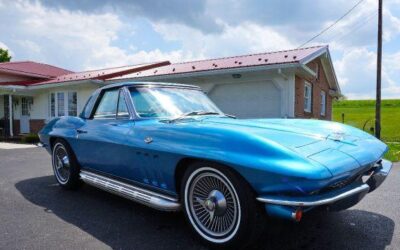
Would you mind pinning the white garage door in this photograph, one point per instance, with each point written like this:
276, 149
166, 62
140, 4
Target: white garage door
248, 100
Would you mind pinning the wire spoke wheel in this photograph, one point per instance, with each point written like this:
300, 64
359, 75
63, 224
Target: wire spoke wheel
61, 163
213, 204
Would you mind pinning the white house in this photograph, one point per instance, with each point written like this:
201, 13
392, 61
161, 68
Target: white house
292, 83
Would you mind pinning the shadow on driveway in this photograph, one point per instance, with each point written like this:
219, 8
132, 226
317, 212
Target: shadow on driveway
120, 223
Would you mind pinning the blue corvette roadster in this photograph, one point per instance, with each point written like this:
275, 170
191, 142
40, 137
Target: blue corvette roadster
169, 147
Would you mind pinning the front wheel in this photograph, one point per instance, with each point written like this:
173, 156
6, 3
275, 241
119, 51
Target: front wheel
65, 167
220, 206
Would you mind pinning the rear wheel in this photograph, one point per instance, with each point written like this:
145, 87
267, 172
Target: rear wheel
220, 206
66, 170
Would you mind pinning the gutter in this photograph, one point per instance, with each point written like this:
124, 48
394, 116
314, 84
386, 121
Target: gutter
61, 84
51, 85
210, 72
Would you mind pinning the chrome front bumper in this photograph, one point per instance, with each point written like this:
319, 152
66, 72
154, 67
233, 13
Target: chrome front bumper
379, 175
376, 178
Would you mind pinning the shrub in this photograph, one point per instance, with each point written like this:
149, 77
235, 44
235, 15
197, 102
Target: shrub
30, 138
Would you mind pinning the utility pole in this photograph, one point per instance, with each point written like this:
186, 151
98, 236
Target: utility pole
378, 75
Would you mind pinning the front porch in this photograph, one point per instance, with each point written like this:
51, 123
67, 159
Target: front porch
14, 116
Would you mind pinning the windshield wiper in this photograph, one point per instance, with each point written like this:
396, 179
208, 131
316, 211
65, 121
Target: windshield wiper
192, 113
230, 116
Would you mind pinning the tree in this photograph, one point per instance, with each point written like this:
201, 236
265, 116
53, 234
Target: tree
4, 56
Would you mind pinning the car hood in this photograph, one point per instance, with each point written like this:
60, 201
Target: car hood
338, 147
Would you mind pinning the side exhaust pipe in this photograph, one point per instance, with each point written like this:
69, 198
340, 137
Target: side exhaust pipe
284, 212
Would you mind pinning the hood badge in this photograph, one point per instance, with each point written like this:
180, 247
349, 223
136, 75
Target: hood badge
338, 136
148, 140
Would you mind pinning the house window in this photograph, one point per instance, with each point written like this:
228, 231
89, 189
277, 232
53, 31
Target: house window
72, 104
25, 103
52, 105
63, 103
323, 103
60, 104
307, 96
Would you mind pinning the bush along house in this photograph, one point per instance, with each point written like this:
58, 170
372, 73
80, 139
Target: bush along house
293, 83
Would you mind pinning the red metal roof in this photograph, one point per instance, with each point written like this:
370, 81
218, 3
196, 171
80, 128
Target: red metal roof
20, 83
261, 59
51, 74
32, 69
103, 74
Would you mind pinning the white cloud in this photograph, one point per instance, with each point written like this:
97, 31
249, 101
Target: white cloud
356, 72
30, 46
3, 46
72, 38
85, 39
244, 38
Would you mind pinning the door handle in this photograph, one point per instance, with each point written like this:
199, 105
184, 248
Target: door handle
81, 131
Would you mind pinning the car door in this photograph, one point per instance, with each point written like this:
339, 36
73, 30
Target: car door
104, 143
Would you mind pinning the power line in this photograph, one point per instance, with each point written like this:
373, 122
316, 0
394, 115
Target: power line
361, 21
358, 26
333, 24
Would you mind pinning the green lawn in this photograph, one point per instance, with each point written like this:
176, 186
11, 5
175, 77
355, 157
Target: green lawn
361, 114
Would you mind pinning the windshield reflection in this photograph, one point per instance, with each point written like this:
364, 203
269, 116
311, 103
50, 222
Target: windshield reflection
168, 102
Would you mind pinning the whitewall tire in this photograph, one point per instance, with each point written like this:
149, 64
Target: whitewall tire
220, 206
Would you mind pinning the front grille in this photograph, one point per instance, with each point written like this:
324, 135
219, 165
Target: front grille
356, 177
341, 183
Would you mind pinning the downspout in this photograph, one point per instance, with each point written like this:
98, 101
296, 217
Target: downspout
280, 72
10, 110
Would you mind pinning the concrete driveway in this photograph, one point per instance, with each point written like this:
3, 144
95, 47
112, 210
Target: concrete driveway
36, 214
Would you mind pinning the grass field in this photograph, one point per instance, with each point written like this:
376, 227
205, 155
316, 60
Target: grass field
361, 113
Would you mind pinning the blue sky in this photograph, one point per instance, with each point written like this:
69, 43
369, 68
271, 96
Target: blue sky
90, 34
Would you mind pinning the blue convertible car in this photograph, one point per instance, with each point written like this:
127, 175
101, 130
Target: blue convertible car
169, 147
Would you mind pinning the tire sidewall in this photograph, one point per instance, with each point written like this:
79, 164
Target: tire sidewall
73, 181
57, 145
246, 205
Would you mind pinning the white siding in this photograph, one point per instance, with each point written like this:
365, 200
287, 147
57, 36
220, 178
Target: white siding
261, 94
40, 107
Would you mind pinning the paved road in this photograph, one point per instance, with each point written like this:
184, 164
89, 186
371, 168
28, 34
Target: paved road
36, 214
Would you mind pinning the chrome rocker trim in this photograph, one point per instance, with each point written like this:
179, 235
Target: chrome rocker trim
377, 177
143, 196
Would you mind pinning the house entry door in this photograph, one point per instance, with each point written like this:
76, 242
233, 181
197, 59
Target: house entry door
25, 115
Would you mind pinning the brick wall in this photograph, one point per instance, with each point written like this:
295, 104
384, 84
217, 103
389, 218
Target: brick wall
16, 127
318, 84
36, 125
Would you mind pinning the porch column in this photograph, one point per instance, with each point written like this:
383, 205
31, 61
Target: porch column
10, 111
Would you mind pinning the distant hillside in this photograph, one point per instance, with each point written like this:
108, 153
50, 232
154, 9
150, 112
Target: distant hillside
365, 103
361, 114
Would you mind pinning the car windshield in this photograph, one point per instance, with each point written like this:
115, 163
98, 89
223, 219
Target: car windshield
170, 103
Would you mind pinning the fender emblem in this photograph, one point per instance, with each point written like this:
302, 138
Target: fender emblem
148, 140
